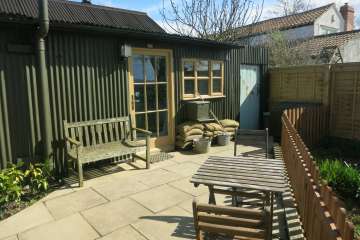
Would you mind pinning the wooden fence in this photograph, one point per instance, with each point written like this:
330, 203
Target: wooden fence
310, 122
335, 86
322, 213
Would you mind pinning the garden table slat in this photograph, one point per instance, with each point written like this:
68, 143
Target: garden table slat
222, 171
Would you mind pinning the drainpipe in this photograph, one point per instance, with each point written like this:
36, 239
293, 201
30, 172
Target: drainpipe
42, 32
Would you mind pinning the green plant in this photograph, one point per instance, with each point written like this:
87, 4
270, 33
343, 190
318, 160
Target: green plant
37, 178
343, 179
11, 180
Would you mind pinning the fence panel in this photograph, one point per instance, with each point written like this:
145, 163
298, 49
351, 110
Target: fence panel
322, 213
345, 101
336, 86
303, 83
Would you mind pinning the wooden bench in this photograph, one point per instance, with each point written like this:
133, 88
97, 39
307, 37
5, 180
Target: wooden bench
235, 222
92, 141
247, 134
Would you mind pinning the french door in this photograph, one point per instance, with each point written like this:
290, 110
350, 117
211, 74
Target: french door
151, 96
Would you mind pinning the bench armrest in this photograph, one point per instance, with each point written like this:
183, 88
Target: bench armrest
142, 131
73, 141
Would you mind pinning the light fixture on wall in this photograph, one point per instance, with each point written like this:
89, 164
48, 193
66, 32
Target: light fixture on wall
126, 51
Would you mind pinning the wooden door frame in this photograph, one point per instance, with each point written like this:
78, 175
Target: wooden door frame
167, 143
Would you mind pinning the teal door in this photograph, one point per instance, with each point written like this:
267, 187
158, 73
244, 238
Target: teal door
249, 96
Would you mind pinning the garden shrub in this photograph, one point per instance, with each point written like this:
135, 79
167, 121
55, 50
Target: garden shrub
343, 179
17, 181
11, 180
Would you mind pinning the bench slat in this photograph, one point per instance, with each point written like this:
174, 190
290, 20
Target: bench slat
98, 134
111, 131
97, 122
105, 130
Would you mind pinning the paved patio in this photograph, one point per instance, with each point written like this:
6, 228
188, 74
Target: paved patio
130, 203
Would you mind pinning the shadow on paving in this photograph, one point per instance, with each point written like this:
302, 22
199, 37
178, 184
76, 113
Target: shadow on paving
184, 229
99, 169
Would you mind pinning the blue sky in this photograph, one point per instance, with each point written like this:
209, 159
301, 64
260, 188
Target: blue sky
152, 7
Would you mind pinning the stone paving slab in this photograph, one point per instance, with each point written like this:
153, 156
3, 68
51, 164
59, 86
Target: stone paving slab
11, 238
113, 215
125, 233
185, 169
30, 217
186, 186
73, 227
160, 198
69, 204
157, 177
174, 223
120, 188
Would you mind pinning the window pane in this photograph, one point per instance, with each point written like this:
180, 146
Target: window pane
152, 126
163, 126
189, 69
189, 86
216, 84
216, 68
203, 69
150, 68
161, 69
151, 97
203, 87
162, 96
139, 98
138, 68
140, 123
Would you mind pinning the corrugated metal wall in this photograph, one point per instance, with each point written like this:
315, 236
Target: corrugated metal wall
87, 80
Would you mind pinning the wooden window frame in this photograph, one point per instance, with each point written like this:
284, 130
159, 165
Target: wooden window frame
196, 78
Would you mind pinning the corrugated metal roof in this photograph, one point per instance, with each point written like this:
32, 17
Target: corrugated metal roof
68, 12
282, 23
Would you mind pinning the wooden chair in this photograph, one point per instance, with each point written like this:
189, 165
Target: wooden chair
235, 222
92, 141
245, 134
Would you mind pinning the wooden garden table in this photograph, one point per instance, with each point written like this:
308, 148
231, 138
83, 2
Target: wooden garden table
227, 174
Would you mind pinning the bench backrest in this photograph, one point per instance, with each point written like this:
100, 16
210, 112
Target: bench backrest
231, 221
91, 133
243, 135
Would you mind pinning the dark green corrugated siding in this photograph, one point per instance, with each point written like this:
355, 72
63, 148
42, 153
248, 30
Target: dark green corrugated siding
88, 80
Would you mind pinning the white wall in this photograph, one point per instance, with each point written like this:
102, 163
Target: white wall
351, 50
332, 19
290, 34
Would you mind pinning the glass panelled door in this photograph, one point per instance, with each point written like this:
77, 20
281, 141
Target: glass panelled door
151, 95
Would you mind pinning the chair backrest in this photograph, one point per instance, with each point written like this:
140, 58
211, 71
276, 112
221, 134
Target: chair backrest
247, 134
91, 133
231, 221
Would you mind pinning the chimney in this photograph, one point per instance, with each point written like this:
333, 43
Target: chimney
86, 1
348, 14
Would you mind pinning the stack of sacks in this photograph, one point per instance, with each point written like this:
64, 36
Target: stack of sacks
230, 126
213, 129
187, 132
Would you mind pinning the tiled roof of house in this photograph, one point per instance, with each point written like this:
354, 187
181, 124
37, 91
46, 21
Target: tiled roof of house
314, 46
282, 23
69, 12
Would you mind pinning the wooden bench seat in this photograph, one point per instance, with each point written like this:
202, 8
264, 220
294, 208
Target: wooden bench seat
97, 140
102, 151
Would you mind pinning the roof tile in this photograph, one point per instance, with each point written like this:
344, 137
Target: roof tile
282, 23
